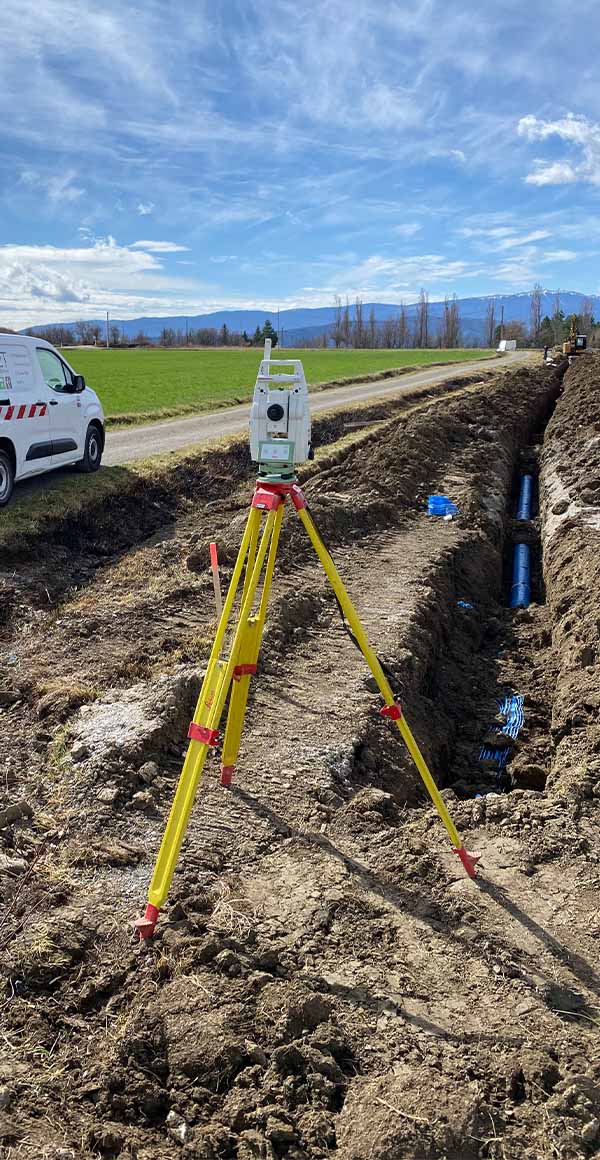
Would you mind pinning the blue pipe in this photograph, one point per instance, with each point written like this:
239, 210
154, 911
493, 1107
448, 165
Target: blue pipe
525, 498
520, 593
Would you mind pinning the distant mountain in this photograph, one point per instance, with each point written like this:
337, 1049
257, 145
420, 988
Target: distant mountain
302, 324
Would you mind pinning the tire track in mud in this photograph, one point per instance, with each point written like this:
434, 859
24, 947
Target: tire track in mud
324, 980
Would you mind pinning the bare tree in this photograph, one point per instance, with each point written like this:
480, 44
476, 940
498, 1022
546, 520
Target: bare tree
490, 323
586, 318
115, 335
338, 323
422, 320
403, 331
388, 333
358, 337
346, 328
84, 332
558, 319
372, 329
516, 330
536, 313
450, 332
57, 335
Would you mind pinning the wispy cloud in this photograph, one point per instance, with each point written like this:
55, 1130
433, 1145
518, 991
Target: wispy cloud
145, 208
579, 132
407, 230
159, 247
59, 188
560, 256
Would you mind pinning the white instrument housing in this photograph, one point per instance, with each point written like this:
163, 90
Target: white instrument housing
280, 407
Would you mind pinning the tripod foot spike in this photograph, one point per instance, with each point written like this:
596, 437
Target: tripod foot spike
146, 926
469, 861
226, 774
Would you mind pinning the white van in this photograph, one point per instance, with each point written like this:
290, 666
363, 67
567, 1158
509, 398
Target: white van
48, 417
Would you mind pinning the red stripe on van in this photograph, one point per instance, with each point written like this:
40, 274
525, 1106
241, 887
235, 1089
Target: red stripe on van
9, 413
32, 411
22, 410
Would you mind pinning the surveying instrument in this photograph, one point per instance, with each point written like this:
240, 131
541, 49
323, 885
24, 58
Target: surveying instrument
280, 438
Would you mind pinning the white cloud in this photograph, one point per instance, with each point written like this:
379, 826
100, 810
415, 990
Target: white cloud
158, 247
497, 239
145, 208
577, 131
560, 256
39, 284
407, 230
59, 188
224, 258
383, 107
36, 280
402, 276
555, 173
513, 240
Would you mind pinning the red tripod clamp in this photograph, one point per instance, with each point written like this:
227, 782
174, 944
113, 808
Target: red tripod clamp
202, 734
394, 712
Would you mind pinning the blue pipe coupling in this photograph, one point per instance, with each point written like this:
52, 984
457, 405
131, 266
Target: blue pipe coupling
520, 593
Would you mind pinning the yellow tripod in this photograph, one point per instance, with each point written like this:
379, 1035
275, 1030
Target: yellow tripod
257, 553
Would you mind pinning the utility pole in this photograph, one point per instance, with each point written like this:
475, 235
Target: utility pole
501, 322
278, 335
107, 338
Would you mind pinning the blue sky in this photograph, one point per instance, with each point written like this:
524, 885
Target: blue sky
180, 158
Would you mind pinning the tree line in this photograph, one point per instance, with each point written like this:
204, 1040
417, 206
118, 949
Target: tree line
352, 329
398, 332
91, 334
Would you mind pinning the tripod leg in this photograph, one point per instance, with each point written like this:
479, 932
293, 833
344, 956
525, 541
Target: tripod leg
246, 668
391, 709
203, 728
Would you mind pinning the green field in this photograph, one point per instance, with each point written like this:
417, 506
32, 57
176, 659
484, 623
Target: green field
147, 384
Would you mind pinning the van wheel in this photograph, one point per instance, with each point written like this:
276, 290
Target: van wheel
93, 450
7, 478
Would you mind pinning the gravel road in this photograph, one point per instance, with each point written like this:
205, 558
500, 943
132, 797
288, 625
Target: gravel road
131, 443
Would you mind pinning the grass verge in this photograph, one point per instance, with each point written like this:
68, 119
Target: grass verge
138, 386
121, 505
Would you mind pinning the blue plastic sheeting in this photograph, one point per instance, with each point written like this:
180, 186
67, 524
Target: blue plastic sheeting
525, 498
512, 709
500, 756
463, 604
520, 593
440, 505
498, 752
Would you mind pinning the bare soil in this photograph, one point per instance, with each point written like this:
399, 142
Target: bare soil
324, 980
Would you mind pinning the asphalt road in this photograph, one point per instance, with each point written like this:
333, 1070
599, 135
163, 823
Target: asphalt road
131, 443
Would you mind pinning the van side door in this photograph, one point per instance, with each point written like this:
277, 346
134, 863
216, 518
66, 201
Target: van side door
24, 417
65, 408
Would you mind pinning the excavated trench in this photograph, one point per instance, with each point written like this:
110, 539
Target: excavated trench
477, 649
323, 980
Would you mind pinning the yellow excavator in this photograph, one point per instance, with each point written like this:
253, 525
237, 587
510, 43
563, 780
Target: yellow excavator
575, 343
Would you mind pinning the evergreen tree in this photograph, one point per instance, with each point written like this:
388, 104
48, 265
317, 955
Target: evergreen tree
269, 332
